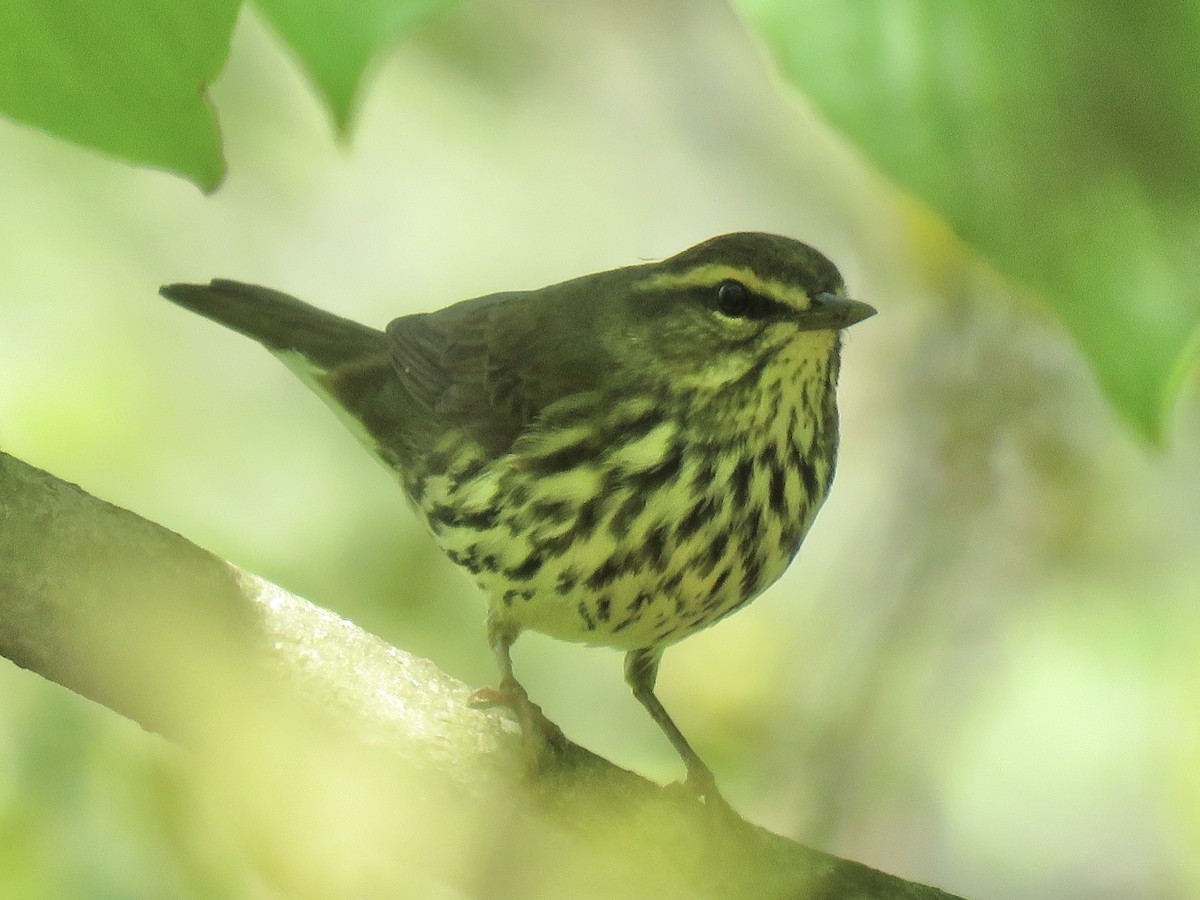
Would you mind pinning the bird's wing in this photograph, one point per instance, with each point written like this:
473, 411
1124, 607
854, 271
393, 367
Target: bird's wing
491, 365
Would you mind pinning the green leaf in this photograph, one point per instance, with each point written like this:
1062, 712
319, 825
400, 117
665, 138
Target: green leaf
336, 39
1059, 137
124, 77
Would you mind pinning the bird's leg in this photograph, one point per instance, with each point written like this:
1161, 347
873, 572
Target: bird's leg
641, 672
539, 733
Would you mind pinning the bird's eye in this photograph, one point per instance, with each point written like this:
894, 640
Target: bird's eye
733, 298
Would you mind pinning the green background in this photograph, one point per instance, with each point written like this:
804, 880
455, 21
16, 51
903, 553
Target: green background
980, 671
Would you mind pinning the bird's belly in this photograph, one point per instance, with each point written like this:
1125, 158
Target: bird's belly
628, 567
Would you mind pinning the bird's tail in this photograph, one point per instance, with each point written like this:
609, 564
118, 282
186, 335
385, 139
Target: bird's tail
281, 323
346, 364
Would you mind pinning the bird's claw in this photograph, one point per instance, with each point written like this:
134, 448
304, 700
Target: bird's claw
700, 785
540, 736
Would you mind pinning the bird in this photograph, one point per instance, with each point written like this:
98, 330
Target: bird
621, 459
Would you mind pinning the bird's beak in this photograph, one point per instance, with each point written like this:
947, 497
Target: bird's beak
829, 311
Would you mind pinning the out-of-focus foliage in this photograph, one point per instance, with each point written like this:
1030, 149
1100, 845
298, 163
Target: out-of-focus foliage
126, 78
1060, 138
336, 40
129, 78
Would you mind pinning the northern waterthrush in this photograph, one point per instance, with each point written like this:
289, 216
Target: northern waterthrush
620, 459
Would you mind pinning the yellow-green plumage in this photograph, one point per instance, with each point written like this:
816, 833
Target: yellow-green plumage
621, 459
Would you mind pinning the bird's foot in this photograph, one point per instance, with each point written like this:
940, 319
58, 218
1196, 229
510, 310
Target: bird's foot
541, 738
700, 785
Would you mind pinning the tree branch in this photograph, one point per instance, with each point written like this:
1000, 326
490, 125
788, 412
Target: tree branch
349, 767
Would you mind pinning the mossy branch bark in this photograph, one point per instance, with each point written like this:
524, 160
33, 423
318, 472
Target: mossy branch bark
348, 766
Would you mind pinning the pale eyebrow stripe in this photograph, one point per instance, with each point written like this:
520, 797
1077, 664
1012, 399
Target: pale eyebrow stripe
712, 274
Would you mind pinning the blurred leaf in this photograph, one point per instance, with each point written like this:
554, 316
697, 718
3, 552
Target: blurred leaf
336, 40
126, 78
1060, 137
